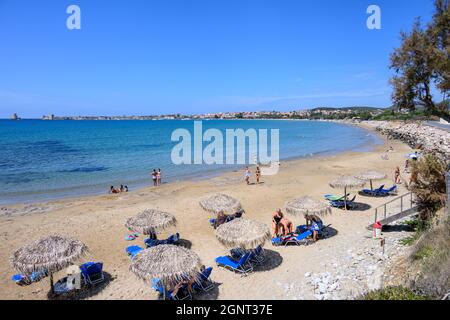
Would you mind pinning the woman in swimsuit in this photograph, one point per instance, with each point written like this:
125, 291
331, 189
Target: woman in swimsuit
258, 174
276, 219
286, 226
158, 177
154, 178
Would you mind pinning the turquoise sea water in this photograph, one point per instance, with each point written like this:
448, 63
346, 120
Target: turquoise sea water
41, 160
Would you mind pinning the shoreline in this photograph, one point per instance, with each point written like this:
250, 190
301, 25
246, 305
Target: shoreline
60, 195
29, 207
99, 221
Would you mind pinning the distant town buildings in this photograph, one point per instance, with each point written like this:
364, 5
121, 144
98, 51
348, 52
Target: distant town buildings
49, 117
316, 113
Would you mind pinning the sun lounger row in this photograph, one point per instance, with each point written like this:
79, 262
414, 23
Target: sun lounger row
132, 251
303, 236
91, 272
23, 280
203, 283
173, 239
379, 192
242, 261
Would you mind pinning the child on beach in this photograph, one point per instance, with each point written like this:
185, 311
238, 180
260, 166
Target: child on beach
247, 175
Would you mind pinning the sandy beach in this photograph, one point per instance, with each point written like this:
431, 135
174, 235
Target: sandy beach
99, 222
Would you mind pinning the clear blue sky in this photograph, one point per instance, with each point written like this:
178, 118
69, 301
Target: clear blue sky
195, 56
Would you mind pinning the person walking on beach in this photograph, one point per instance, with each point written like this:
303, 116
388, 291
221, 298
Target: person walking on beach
257, 174
154, 178
158, 177
397, 179
247, 175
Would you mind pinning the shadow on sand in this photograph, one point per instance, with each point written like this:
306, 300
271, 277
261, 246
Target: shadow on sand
272, 260
85, 292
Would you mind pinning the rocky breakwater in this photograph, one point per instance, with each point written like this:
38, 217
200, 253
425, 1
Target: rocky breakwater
417, 135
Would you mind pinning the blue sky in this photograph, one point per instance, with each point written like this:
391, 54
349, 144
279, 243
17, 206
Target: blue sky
196, 56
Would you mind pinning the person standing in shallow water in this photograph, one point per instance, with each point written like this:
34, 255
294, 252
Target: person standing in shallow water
158, 177
154, 178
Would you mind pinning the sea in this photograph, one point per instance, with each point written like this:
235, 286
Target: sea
46, 160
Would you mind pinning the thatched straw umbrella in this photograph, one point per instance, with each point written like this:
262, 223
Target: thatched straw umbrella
371, 175
50, 254
168, 263
243, 233
220, 202
150, 221
307, 205
347, 182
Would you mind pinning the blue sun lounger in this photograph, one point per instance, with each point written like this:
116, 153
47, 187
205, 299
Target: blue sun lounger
22, 279
256, 255
298, 240
391, 190
242, 265
203, 281
92, 272
341, 204
331, 197
132, 251
158, 287
373, 193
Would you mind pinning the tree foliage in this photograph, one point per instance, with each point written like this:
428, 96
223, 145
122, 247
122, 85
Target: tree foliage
428, 184
423, 60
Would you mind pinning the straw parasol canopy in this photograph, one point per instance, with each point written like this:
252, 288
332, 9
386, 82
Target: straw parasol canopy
169, 263
221, 202
151, 220
347, 182
370, 176
307, 205
50, 254
243, 233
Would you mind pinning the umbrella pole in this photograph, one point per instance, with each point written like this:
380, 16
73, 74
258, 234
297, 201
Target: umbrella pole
345, 198
371, 187
52, 289
164, 289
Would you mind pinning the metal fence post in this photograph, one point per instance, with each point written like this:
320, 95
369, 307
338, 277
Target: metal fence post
447, 179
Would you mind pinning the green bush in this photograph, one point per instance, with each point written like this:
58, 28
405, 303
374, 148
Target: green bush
393, 293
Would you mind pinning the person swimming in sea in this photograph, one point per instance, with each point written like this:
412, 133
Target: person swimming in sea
113, 190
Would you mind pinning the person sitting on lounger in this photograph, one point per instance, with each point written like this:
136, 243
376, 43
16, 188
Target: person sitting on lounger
276, 226
313, 222
286, 226
239, 213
